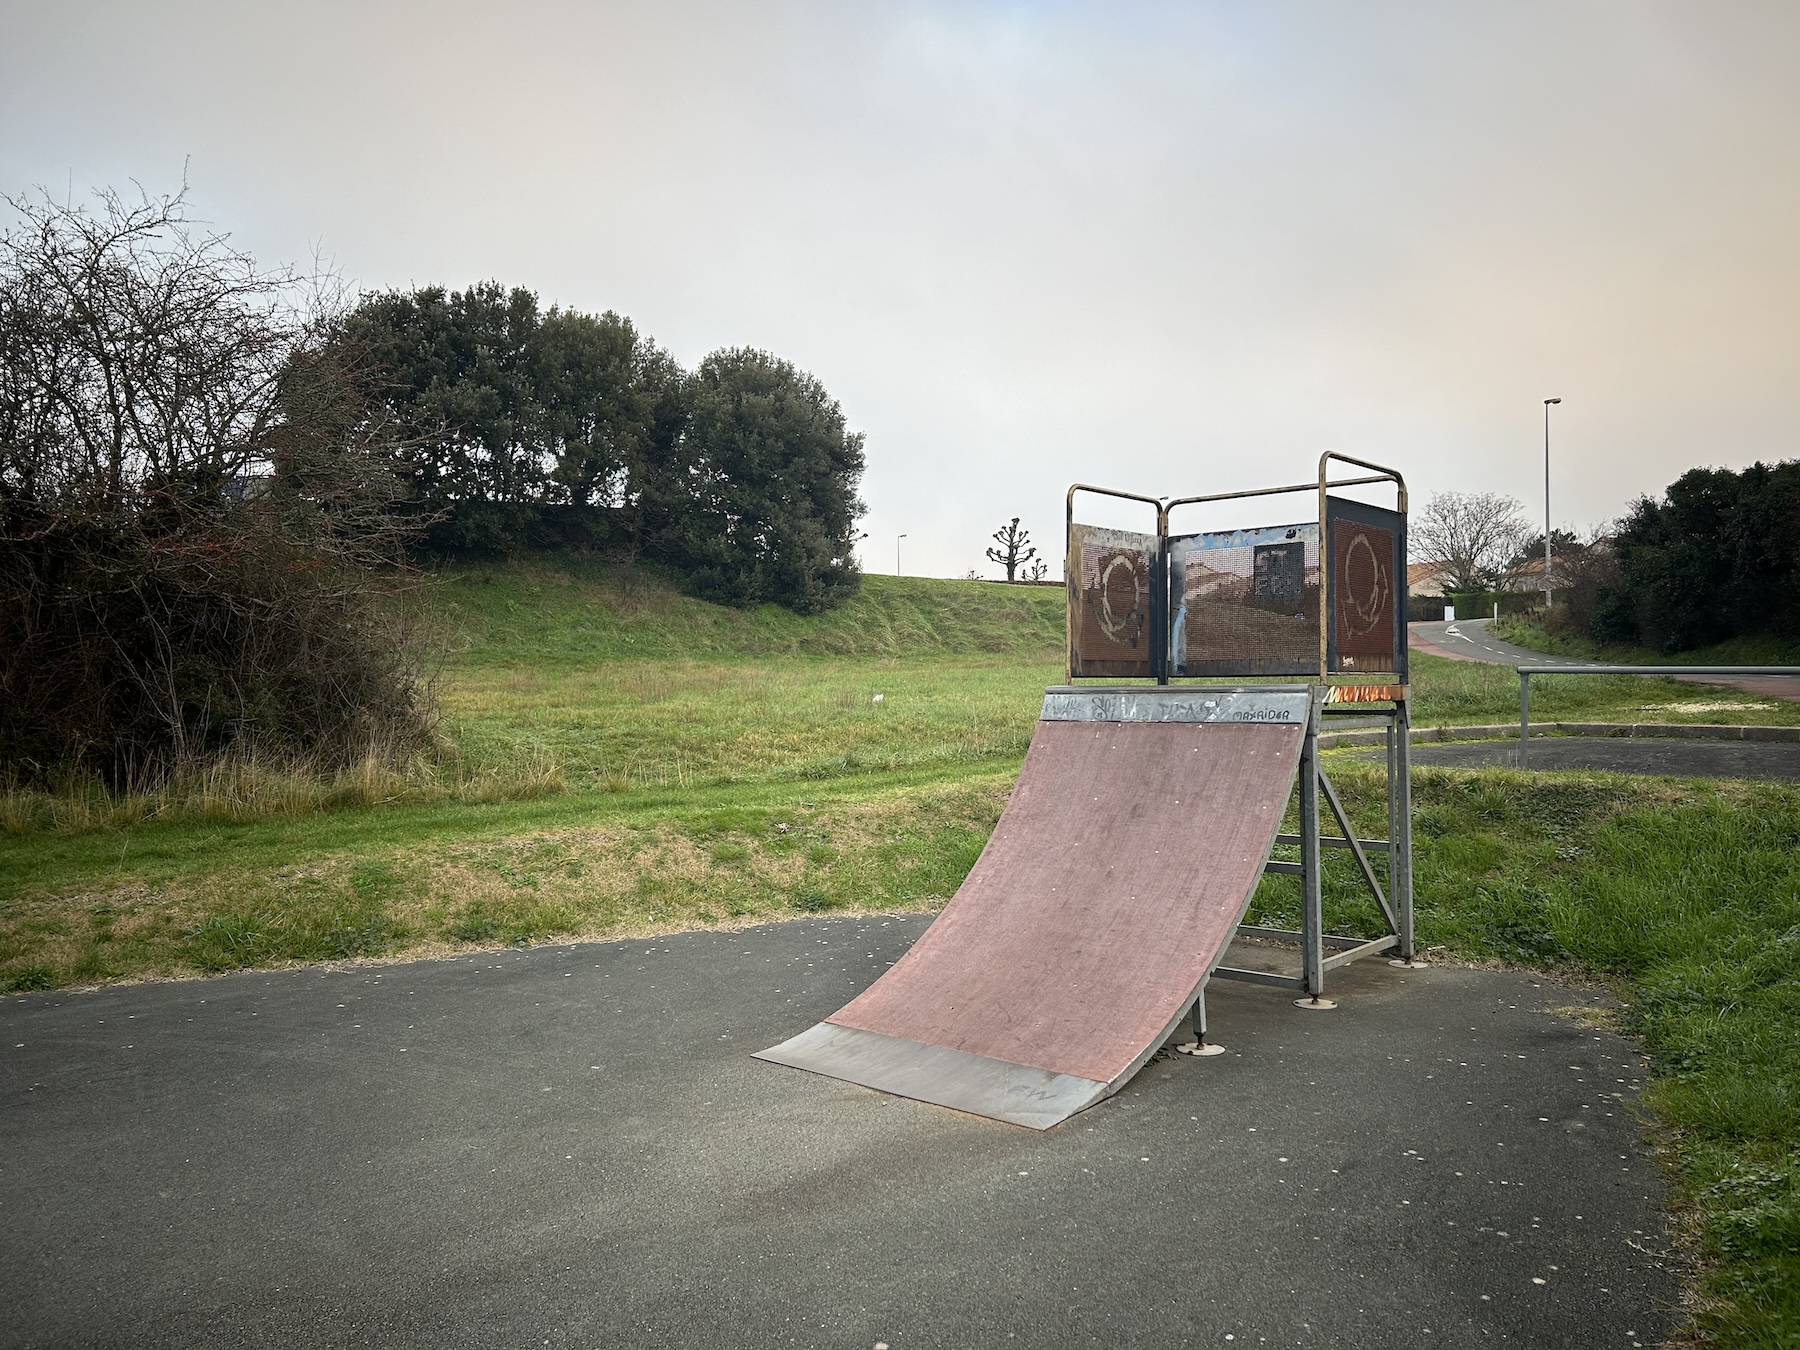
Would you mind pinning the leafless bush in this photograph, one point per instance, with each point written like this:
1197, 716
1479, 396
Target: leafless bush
196, 487
1586, 570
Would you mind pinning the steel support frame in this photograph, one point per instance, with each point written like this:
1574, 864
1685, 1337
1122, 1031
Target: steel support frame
1397, 903
1322, 952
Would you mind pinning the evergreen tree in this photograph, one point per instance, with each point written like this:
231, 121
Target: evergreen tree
774, 476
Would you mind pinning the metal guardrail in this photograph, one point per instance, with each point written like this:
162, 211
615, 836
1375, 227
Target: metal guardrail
1526, 672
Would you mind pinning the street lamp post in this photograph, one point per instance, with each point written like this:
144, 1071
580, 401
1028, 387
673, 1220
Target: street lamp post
1549, 591
897, 539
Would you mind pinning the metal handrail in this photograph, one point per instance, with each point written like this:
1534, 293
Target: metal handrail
1526, 672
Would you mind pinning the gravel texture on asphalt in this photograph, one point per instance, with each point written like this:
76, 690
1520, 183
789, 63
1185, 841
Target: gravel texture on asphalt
572, 1146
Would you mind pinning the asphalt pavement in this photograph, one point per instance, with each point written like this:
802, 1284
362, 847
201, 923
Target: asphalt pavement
571, 1146
1469, 640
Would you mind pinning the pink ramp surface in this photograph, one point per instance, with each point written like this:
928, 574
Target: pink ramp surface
1109, 890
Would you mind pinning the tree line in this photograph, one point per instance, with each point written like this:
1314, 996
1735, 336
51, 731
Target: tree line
1715, 556
535, 428
212, 476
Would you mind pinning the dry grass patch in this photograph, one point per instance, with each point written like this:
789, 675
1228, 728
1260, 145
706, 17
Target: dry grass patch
906, 849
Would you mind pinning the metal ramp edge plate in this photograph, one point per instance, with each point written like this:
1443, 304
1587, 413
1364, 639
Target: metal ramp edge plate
996, 1088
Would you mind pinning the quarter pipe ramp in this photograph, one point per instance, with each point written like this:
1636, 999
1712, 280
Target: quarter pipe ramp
1107, 894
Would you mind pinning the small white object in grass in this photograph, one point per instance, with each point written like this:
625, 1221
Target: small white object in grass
1536, 1279
878, 698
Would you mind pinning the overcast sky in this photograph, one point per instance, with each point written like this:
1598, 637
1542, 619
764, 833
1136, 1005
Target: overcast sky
1170, 248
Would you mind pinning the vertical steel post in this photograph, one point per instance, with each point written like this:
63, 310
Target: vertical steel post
1400, 810
1069, 584
1160, 609
1312, 916
1524, 714
1392, 801
1200, 1016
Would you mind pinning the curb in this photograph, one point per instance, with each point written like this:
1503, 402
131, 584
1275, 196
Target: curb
1688, 731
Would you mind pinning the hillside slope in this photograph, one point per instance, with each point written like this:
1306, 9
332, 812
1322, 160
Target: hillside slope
556, 610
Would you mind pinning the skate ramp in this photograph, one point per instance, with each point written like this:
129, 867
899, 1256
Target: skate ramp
1109, 890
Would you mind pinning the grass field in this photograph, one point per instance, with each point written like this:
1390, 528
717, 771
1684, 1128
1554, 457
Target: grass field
620, 759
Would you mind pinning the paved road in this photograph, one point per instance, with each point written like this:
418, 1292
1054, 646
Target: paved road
1470, 640
571, 1146
1618, 754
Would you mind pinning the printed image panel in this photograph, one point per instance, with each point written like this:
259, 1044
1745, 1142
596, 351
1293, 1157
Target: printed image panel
1111, 618
1368, 556
1246, 602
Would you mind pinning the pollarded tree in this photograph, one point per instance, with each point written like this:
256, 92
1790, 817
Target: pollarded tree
773, 476
1015, 548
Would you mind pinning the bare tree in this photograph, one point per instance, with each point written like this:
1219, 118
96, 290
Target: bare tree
1015, 548
1472, 536
1037, 571
195, 481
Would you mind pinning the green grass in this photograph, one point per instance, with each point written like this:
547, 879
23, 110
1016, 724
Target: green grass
626, 760
558, 612
199, 897
1756, 650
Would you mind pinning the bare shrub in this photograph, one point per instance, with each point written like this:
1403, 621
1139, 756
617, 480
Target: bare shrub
1587, 570
196, 524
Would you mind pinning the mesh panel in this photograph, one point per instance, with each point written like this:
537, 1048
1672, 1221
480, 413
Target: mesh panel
1110, 612
1246, 602
1365, 549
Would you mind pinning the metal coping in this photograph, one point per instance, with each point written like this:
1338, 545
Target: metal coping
1265, 705
1016, 1093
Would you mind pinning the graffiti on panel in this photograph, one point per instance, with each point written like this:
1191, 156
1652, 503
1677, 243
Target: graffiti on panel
1111, 573
1363, 593
1246, 602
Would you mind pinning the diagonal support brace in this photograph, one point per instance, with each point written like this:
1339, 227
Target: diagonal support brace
1362, 859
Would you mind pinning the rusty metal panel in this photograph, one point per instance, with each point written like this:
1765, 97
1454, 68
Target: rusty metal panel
1109, 890
1113, 612
1245, 602
1366, 546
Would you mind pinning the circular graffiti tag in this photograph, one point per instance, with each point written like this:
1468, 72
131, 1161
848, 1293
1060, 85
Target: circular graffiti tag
1364, 586
1121, 599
